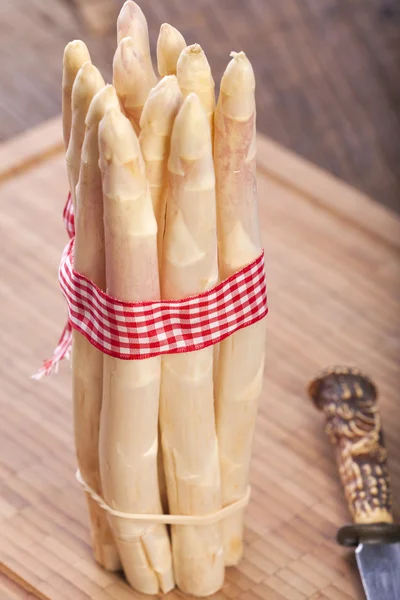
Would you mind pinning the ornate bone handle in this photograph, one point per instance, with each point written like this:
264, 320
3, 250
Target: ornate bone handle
349, 401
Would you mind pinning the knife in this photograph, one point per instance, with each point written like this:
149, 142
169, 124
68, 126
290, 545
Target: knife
349, 400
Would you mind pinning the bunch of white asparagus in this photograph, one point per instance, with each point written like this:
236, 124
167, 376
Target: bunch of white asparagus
164, 189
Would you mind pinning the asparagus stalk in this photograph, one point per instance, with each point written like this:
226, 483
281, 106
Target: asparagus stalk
132, 80
156, 124
75, 55
170, 44
87, 361
194, 75
87, 82
241, 365
129, 416
132, 23
187, 422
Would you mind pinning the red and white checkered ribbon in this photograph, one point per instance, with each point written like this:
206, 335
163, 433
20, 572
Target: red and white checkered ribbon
69, 218
141, 330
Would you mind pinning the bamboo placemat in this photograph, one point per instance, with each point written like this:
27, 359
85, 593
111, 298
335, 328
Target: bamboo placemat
333, 270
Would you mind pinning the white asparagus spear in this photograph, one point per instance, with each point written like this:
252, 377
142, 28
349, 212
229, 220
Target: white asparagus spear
129, 416
75, 55
194, 75
170, 44
87, 82
156, 124
187, 421
131, 80
242, 355
132, 23
87, 361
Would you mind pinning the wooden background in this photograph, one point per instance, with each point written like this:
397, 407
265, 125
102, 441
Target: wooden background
327, 71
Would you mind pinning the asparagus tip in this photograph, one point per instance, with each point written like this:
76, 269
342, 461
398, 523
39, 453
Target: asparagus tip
165, 28
163, 100
166, 81
191, 131
126, 43
194, 49
169, 32
87, 76
75, 53
130, 7
165, 90
86, 68
130, 12
238, 55
238, 76
117, 139
74, 45
103, 100
170, 44
125, 54
87, 81
191, 62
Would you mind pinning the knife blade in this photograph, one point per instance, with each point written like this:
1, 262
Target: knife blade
379, 569
348, 399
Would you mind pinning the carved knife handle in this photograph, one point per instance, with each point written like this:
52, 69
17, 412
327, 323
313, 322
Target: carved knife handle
349, 400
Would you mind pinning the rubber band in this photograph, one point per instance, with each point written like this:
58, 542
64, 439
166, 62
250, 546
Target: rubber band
208, 519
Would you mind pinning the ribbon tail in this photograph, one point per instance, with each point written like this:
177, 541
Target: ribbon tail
69, 217
63, 350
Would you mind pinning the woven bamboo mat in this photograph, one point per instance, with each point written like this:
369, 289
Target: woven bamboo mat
11, 590
333, 270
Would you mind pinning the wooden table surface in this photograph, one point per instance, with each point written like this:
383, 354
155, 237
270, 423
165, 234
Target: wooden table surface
333, 268
11, 590
328, 84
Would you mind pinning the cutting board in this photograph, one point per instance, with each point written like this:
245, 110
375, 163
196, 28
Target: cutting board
333, 272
